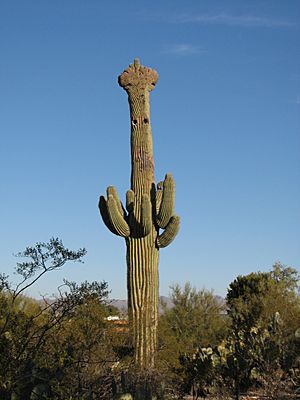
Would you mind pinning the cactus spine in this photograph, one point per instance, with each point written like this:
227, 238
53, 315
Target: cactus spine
149, 208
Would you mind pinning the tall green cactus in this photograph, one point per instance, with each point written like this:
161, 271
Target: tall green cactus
149, 208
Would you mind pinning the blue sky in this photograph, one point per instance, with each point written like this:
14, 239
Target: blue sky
225, 121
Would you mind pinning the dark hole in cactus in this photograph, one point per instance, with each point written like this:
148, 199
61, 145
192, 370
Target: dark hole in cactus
134, 121
146, 120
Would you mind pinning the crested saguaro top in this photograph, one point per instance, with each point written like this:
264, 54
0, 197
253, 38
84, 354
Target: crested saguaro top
138, 81
139, 77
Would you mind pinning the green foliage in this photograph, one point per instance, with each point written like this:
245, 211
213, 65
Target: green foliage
65, 348
79, 352
244, 298
255, 341
47, 342
287, 277
248, 354
198, 372
197, 319
264, 310
258, 296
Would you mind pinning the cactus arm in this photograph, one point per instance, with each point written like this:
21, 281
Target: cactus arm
146, 215
158, 198
113, 213
116, 218
129, 200
111, 190
105, 216
169, 233
167, 202
144, 227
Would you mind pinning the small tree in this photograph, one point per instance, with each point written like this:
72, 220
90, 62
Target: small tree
197, 319
78, 354
264, 311
25, 325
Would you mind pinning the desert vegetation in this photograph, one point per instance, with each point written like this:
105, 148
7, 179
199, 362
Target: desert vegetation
208, 347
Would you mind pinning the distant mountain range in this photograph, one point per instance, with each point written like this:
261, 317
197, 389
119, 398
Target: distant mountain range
121, 305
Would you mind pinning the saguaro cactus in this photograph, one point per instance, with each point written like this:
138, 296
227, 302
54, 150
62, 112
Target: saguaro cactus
149, 209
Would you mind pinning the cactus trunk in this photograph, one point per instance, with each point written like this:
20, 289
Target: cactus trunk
149, 209
142, 264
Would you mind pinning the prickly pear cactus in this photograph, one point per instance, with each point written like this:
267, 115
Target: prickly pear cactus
148, 223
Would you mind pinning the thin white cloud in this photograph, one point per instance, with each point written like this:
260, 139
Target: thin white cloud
246, 21
184, 49
294, 100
